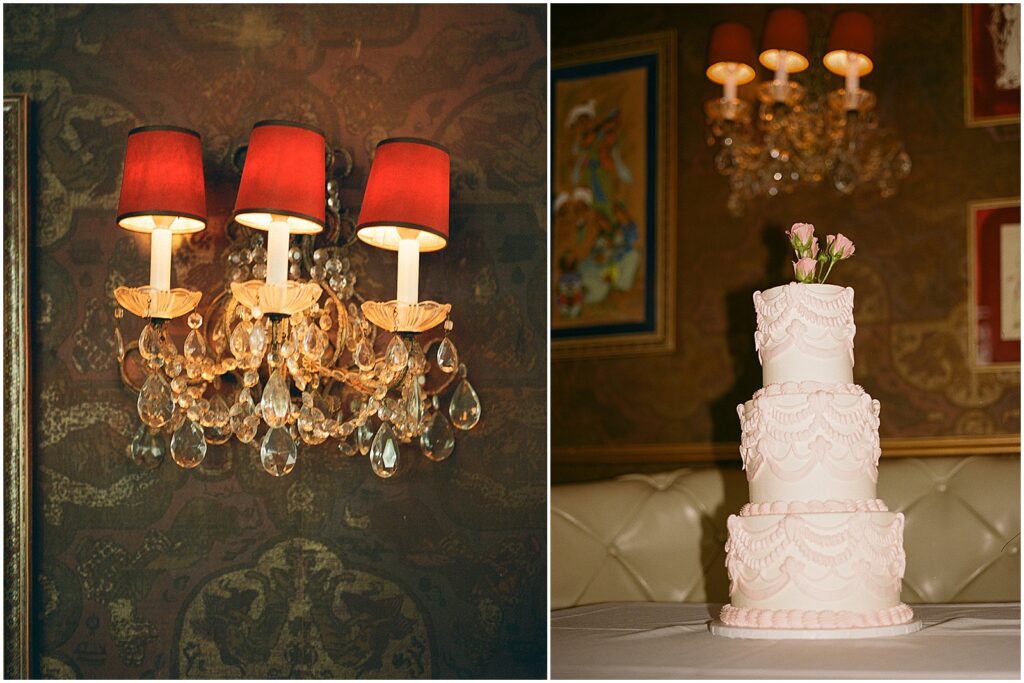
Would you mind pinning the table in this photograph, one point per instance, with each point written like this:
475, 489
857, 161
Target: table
671, 640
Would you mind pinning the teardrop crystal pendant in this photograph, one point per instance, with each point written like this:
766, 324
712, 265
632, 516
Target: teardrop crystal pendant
188, 445
447, 356
363, 355
364, 436
258, 340
195, 346
239, 341
414, 405
156, 401
149, 342
384, 453
147, 448
277, 453
438, 440
119, 344
465, 406
276, 402
397, 356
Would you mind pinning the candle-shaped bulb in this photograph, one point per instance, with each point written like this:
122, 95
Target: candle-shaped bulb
277, 252
160, 254
408, 270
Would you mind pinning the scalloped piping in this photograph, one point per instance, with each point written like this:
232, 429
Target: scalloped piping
861, 552
781, 507
752, 617
806, 387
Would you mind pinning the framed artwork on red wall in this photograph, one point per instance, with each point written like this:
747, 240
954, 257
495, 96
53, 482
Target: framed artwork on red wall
993, 245
991, 64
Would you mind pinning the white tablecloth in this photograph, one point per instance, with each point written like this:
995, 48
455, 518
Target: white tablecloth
671, 640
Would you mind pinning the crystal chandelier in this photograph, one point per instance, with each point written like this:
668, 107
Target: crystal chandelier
295, 353
787, 139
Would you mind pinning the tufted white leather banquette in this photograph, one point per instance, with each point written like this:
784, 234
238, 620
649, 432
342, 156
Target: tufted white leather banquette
661, 537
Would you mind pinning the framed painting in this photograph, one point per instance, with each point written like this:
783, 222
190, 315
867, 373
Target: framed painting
993, 246
17, 424
613, 195
991, 64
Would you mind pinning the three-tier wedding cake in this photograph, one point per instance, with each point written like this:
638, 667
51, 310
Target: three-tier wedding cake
815, 554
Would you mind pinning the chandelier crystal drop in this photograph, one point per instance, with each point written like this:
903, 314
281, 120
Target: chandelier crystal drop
288, 353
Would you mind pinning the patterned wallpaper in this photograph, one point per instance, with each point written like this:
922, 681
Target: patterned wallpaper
909, 273
224, 571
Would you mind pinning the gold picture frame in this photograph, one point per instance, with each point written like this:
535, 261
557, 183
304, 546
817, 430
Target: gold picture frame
975, 210
17, 401
650, 59
972, 118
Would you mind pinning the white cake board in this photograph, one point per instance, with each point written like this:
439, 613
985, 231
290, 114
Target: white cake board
720, 629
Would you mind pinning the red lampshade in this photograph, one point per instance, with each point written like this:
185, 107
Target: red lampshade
407, 195
852, 32
786, 29
732, 47
284, 175
163, 176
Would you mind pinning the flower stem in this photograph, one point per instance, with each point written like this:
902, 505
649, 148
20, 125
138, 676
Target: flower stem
830, 264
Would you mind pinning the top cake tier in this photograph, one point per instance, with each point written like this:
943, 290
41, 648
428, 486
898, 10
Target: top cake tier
805, 333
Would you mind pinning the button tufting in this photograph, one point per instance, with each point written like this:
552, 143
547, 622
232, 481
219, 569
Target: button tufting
941, 488
613, 551
1014, 550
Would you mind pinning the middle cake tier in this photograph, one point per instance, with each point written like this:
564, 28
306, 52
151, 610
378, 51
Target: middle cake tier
811, 442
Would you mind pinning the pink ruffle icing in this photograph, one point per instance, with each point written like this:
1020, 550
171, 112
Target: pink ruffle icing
780, 507
807, 619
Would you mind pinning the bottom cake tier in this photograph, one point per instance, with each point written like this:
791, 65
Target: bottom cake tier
816, 570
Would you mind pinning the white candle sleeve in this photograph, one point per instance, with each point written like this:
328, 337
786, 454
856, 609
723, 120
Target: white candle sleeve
408, 271
729, 87
277, 253
160, 259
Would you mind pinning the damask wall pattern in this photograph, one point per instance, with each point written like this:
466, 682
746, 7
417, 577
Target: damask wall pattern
909, 272
224, 571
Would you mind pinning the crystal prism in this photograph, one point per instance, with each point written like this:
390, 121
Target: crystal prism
149, 342
364, 355
156, 401
397, 356
447, 356
147, 448
195, 346
414, 405
258, 340
188, 445
310, 420
276, 402
438, 440
384, 453
277, 453
239, 341
465, 406
364, 435
246, 431
218, 414
119, 344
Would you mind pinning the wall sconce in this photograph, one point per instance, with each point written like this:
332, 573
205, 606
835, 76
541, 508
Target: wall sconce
791, 140
305, 331
162, 194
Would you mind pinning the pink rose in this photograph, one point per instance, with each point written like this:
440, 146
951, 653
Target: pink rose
804, 269
814, 248
800, 236
839, 247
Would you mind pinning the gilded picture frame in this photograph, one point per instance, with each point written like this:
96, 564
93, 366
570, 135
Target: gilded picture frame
613, 189
984, 103
992, 294
17, 400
